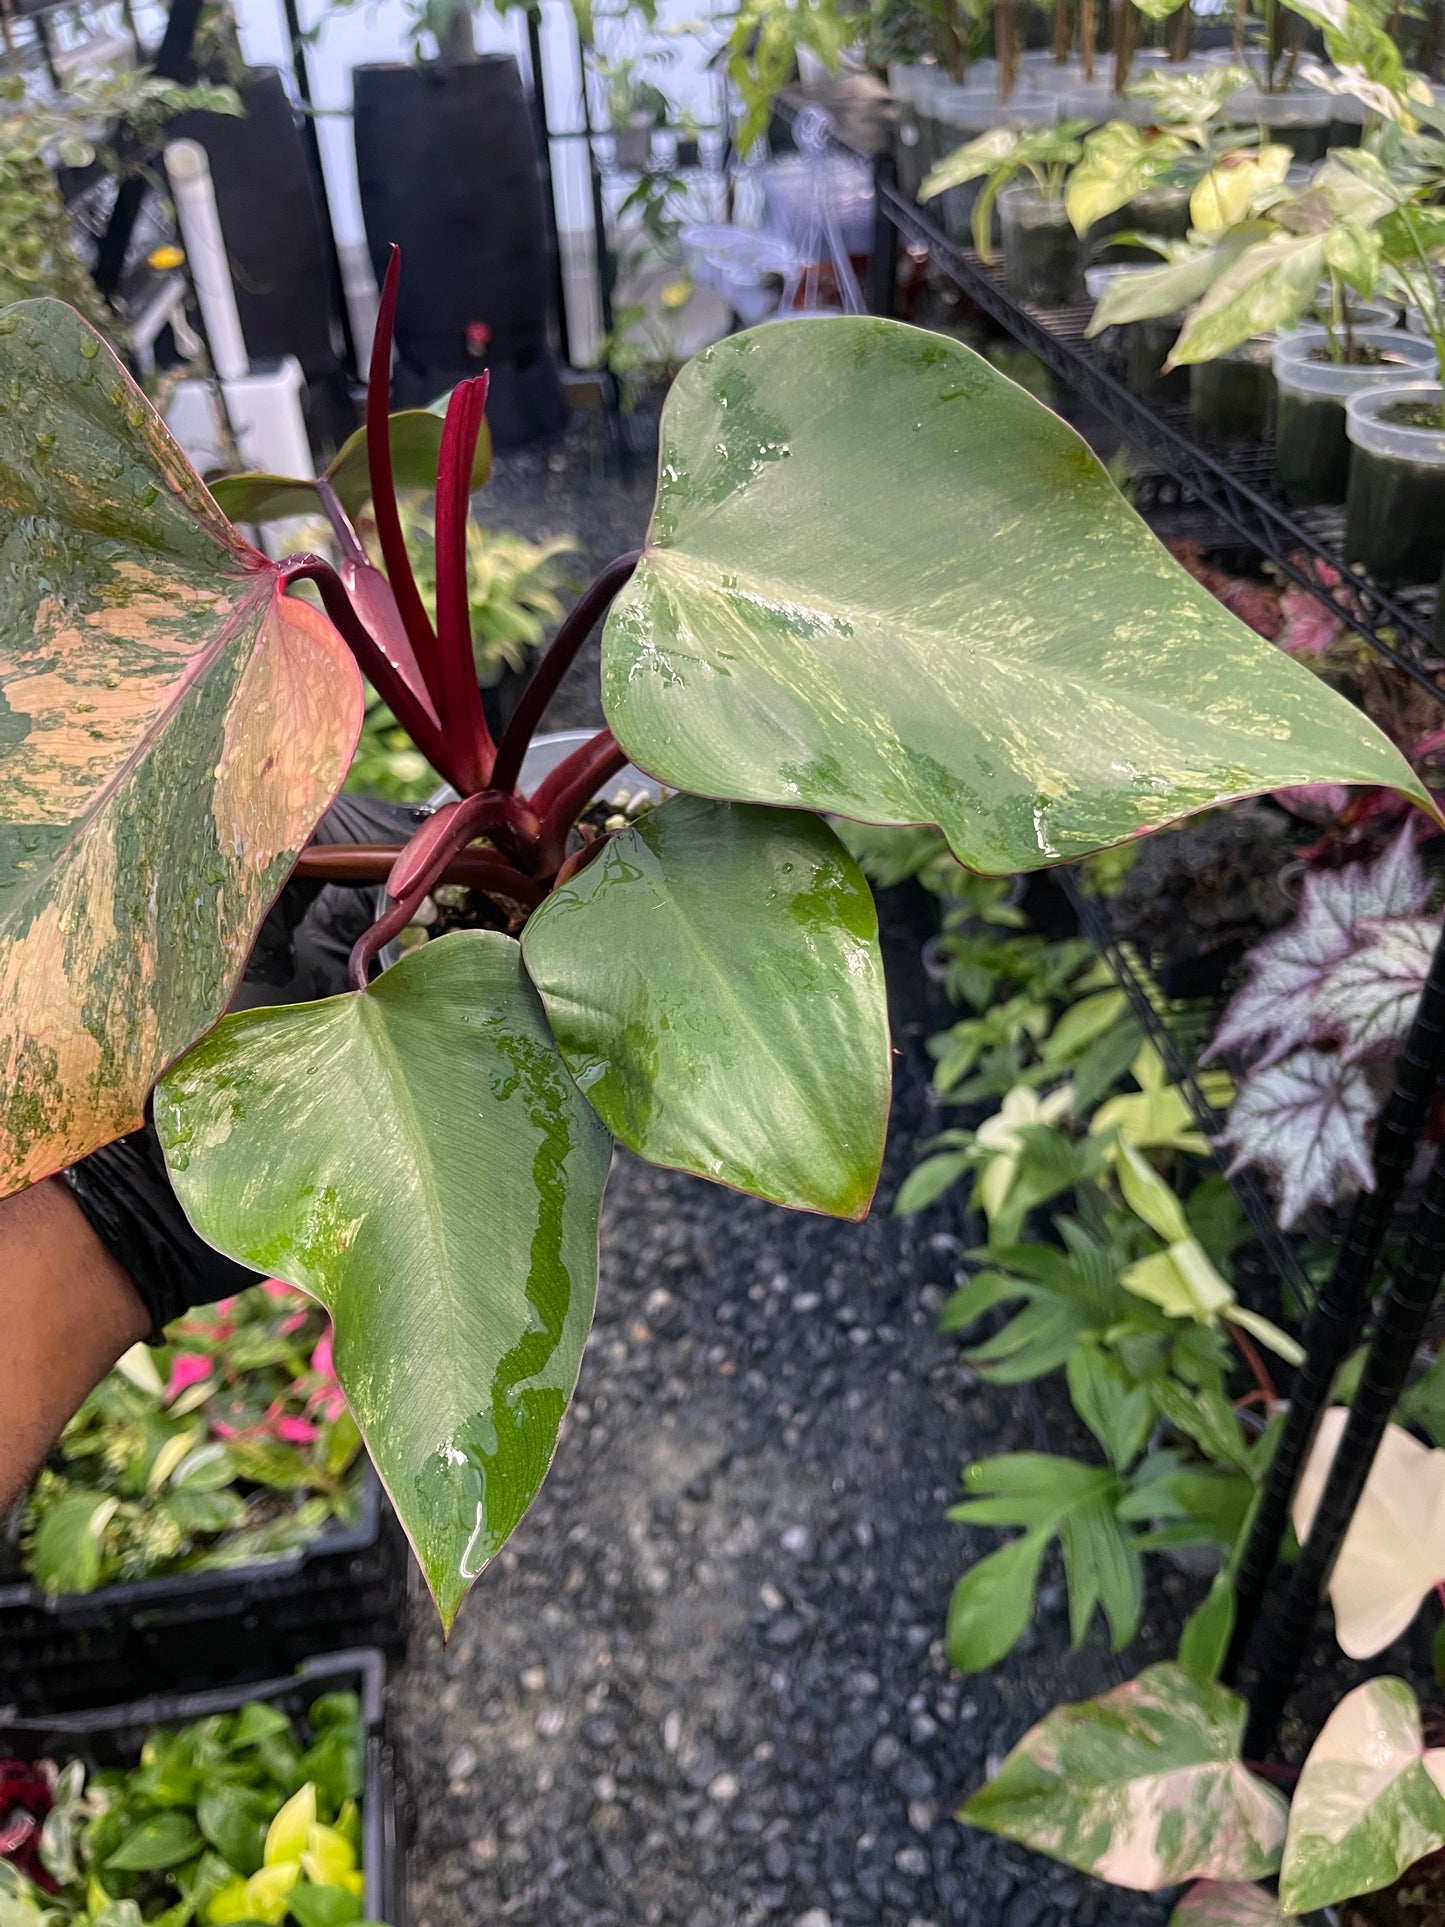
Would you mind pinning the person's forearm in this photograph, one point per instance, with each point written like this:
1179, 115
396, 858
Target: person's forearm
67, 1313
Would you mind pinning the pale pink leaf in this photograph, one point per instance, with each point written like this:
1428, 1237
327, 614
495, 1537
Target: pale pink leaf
1229, 1903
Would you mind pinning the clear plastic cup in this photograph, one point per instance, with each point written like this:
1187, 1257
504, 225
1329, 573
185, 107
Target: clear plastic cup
1395, 505
1311, 448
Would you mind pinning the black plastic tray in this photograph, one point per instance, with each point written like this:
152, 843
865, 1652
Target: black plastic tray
191, 1630
113, 1736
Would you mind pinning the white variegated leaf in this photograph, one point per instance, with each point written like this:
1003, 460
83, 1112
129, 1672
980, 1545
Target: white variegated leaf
1229, 1903
1305, 1121
1275, 1009
1143, 1787
1394, 1551
1368, 998
1369, 1802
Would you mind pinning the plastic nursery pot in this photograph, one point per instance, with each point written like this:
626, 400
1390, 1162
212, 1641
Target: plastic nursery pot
1158, 210
960, 114
1300, 120
1139, 349
1311, 449
1042, 255
632, 144
913, 87
1231, 398
1395, 503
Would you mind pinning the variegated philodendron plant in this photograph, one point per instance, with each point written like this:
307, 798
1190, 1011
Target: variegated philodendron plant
881, 581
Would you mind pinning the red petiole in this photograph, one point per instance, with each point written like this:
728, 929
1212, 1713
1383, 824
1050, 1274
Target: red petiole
428, 678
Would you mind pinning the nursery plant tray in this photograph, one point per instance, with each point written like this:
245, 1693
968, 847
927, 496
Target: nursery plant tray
107, 1736
190, 1630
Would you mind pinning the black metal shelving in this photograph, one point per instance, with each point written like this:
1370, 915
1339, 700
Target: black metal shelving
1230, 482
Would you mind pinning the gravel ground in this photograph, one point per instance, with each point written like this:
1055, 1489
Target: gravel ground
704, 1684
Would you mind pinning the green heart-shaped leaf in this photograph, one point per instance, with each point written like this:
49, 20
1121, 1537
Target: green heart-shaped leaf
1143, 1786
714, 982
416, 439
416, 1156
881, 580
171, 727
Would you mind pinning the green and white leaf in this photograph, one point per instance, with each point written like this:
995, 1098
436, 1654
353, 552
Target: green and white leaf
714, 983
797, 634
1143, 1787
416, 1156
1369, 1803
1267, 288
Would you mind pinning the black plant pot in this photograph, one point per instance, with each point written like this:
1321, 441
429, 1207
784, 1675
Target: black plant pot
284, 271
446, 159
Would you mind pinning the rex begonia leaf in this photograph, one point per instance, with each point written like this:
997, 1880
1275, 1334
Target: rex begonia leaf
1368, 998
1143, 1787
1307, 1122
1229, 1903
714, 983
1370, 1800
171, 728
416, 1156
850, 601
1277, 1007
1394, 1551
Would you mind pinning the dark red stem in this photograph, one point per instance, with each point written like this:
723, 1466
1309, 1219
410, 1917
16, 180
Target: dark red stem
570, 786
576, 627
1250, 1354
373, 661
383, 488
447, 832
369, 946
373, 863
459, 699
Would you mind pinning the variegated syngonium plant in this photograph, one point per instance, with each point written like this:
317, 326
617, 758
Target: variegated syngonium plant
1146, 1788
880, 581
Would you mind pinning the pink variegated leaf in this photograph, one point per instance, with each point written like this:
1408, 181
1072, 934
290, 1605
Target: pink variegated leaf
1368, 998
1229, 1903
1276, 1008
1306, 1122
1143, 1787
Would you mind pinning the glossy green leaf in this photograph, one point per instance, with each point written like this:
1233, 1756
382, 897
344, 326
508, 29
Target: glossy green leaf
1170, 289
160, 1840
416, 1156
416, 439
1370, 1801
1143, 1787
714, 983
234, 1819
171, 728
67, 1551
1205, 1638
851, 601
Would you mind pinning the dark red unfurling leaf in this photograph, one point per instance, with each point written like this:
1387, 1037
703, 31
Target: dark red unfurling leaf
468, 739
383, 487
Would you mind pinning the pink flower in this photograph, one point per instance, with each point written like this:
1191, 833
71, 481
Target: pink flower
293, 1323
222, 1430
225, 1306
322, 1362
295, 1431
187, 1368
274, 1288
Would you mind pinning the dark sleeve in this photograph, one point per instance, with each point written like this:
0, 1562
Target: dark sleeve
300, 954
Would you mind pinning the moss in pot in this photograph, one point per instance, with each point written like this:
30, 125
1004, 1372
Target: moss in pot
1315, 374
1395, 504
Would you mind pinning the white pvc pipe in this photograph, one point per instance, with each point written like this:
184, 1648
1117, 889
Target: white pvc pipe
189, 173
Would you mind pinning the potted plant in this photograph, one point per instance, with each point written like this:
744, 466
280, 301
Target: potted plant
871, 669
1316, 373
1396, 492
1043, 262
635, 107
